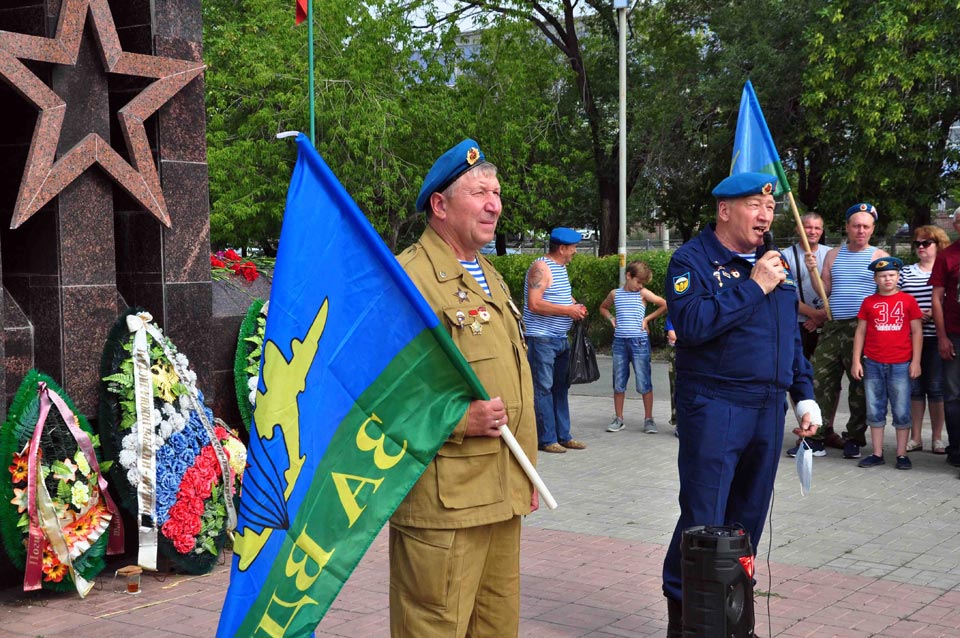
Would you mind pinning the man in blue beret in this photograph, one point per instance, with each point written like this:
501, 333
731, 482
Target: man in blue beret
738, 354
847, 281
455, 539
549, 310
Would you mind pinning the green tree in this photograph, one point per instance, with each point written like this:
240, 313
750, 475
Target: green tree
383, 108
586, 38
256, 65
509, 90
881, 91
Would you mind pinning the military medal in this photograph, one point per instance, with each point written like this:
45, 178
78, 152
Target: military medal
736, 274
483, 313
716, 275
477, 327
461, 318
461, 295
725, 274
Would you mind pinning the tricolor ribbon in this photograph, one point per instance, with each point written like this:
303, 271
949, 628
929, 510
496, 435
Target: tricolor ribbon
44, 522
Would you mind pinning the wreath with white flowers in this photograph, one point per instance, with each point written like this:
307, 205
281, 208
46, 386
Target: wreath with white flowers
70, 506
246, 364
181, 449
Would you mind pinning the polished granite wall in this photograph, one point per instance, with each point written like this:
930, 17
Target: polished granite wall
91, 251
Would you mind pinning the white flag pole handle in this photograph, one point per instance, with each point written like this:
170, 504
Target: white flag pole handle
527, 466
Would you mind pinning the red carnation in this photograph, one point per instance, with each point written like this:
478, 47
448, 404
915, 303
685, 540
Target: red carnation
184, 544
232, 255
249, 271
215, 262
172, 528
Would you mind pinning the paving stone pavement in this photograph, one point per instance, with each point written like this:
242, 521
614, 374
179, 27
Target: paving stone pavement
868, 553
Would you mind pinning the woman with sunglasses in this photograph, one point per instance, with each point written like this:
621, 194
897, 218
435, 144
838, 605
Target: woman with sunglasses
927, 388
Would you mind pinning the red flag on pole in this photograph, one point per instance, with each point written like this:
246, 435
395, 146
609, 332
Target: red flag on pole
301, 11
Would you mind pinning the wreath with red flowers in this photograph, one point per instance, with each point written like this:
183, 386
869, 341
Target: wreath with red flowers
73, 486
190, 496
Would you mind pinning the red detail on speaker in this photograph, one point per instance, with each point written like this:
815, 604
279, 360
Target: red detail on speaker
747, 563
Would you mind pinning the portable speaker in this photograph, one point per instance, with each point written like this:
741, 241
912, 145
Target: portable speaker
717, 582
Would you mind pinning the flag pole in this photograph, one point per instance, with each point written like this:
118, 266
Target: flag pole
817, 281
312, 101
755, 115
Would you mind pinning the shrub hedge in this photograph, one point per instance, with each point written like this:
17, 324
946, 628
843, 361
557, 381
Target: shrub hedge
592, 278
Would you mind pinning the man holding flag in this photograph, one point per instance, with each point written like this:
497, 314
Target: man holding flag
455, 539
730, 292
360, 386
731, 296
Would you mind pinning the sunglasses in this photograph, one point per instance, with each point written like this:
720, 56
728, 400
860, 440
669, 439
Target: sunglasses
925, 243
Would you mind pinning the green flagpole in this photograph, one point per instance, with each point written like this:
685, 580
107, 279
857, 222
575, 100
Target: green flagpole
313, 126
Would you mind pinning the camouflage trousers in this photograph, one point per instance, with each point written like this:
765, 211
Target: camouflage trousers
831, 360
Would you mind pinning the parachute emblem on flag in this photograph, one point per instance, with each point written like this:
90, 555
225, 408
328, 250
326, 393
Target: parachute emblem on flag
277, 407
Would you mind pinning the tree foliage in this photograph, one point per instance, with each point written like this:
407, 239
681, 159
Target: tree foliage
859, 97
881, 91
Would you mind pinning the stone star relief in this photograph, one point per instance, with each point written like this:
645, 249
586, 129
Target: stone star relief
45, 176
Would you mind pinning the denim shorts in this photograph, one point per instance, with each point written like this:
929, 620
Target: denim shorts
929, 385
636, 351
883, 382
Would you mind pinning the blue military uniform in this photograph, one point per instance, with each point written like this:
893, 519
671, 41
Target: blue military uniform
738, 353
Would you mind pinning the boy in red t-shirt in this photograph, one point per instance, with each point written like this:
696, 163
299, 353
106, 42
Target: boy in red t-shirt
890, 337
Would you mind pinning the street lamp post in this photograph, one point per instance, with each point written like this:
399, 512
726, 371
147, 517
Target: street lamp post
621, 7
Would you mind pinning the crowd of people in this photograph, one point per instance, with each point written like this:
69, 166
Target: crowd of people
820, 312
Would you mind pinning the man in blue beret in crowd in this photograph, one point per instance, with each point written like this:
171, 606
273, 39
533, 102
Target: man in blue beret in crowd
847, 281
738, 354
549, 310
455, 539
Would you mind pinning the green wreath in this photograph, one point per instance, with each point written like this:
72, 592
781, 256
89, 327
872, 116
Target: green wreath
117, 421
60, 456
246, 362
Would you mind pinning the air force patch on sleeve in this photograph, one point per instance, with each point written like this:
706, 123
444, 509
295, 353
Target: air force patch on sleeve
681, 283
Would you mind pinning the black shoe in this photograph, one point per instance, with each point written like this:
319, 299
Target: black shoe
953, 459
816, 448
674, 618
851, 450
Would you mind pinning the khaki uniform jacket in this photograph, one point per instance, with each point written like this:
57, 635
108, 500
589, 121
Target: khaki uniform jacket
473, 480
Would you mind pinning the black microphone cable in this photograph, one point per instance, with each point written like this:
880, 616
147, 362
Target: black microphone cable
768, 245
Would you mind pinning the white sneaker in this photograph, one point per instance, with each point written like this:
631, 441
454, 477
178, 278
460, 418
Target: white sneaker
616, 425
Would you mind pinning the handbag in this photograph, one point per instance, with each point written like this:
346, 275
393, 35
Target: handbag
583, 357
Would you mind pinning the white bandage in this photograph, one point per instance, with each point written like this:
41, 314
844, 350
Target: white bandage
809, 406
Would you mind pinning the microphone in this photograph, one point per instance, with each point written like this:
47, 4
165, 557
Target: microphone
768, 245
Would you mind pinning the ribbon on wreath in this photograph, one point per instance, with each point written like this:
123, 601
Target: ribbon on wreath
44, 522
140, 324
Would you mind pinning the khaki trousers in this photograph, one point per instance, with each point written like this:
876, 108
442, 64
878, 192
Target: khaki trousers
455, 583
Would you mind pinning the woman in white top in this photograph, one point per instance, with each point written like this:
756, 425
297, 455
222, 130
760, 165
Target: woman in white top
927, 388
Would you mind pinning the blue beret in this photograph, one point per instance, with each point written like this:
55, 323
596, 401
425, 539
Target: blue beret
448, 167
870, 209
564, 236
745, 184
885, 263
